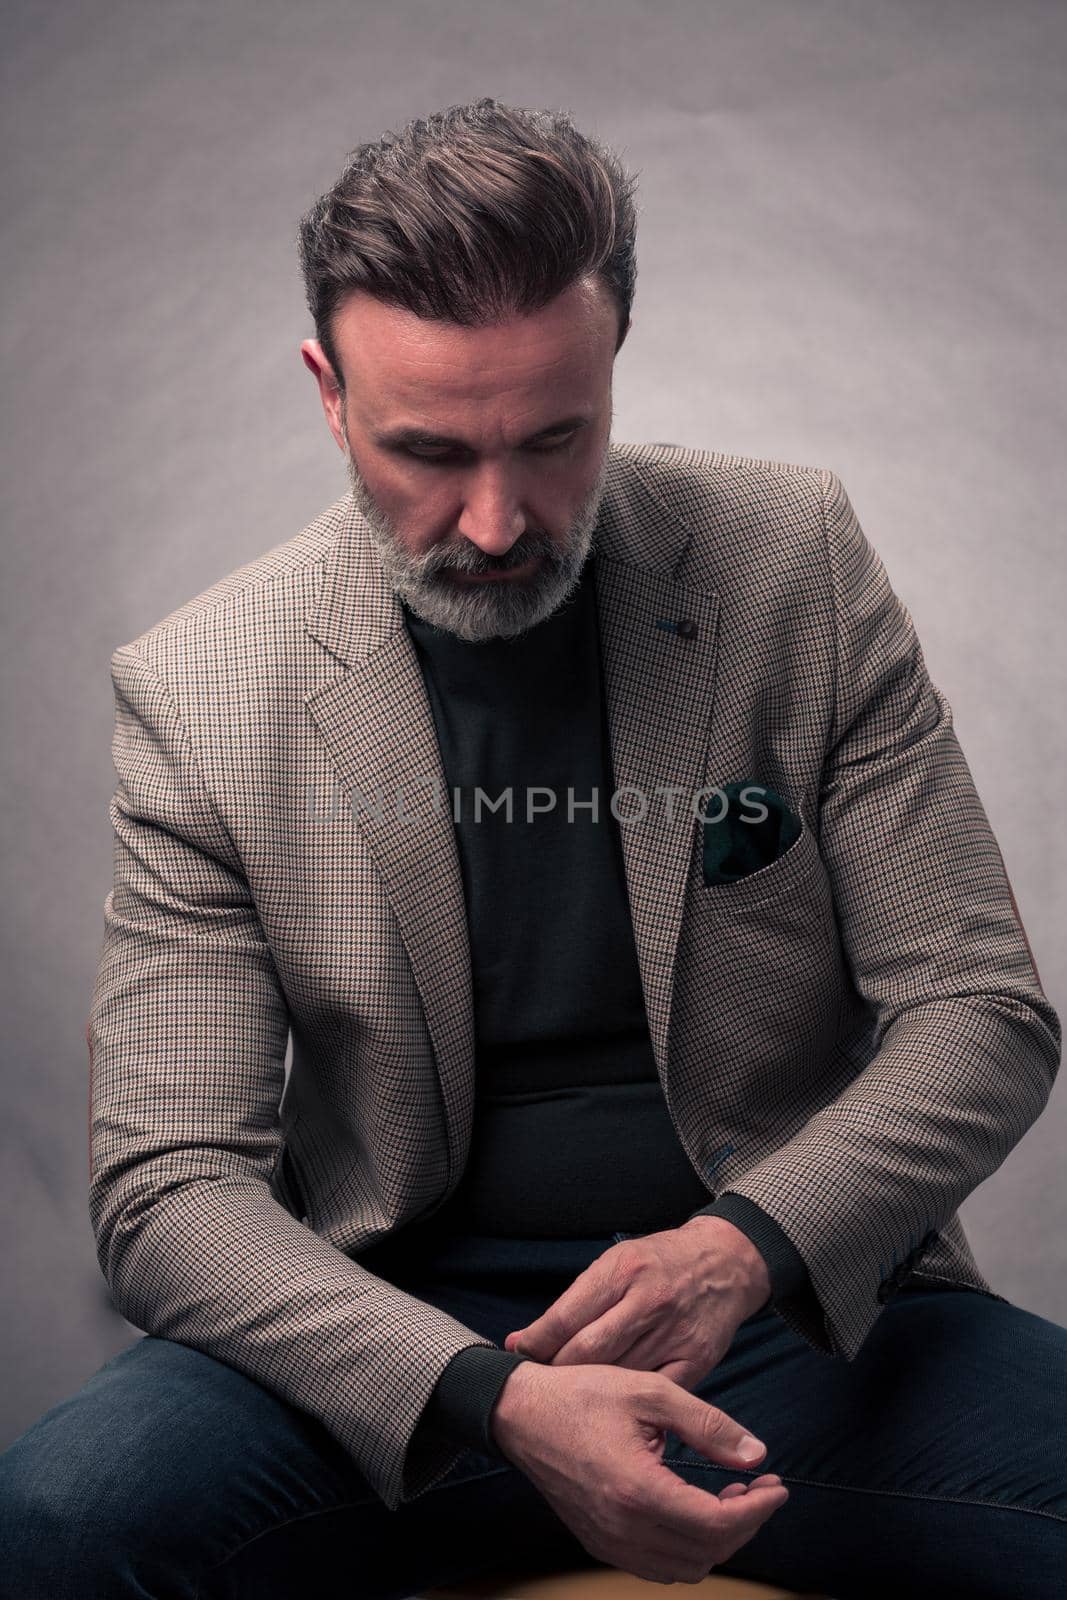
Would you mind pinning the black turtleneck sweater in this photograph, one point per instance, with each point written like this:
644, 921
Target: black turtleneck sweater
572, 1136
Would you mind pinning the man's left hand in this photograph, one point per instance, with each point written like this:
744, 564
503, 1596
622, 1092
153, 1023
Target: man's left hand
667, 1302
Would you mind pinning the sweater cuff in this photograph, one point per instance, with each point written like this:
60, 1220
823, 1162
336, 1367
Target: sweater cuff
785, 1265
463, 1398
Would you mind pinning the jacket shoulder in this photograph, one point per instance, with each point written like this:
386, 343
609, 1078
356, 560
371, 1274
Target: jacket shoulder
734, 487
757, 526
286, 576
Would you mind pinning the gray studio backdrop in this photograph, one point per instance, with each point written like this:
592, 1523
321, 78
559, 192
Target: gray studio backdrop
851, 255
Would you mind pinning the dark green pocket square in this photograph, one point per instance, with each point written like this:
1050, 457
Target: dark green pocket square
738, 839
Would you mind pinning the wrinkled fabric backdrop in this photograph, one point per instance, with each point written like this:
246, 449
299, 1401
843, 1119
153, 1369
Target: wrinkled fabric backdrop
851, 254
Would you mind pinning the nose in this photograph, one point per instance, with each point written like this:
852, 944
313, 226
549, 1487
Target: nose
491, 518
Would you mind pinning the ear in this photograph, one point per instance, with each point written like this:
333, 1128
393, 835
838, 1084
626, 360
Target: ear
314, 358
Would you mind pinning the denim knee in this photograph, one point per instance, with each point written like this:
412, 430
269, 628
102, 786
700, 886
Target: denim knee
56, 1541
93, 1502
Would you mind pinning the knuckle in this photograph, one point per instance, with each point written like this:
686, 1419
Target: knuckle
646, 1387
629, 1497
659, 1297
619, 1264
715, 1422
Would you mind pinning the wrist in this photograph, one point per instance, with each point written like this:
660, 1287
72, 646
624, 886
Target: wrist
513, 1403
753, 1282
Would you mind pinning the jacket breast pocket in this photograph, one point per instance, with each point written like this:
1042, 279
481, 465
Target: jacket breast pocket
759, 978
788, 872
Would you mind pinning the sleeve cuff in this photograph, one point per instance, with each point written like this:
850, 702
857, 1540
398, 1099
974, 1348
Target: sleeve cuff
785, 1265
463, 1398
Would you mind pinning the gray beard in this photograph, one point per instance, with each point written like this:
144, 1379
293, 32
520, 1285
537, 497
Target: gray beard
490, 610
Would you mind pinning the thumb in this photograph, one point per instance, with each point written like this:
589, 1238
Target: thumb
705, 1427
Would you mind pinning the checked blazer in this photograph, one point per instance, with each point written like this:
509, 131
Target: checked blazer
854, 1035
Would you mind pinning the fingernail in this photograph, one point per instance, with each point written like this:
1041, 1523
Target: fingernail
749, 1448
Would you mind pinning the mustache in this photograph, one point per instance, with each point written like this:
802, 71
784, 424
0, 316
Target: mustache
467, 558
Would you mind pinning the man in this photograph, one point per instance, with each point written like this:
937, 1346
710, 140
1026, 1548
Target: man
481, 1211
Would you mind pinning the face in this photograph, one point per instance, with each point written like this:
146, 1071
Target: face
478, 456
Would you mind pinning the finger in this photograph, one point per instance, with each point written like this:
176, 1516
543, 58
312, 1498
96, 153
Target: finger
734, 1521
733, 1489
593, 1292
727, 1522
705, 1428
743, 1516
662, 1353
682, 1373
736, 1517
689, 1512
645, 1343
617, 1339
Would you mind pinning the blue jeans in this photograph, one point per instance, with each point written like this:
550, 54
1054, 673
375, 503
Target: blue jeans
933, 1464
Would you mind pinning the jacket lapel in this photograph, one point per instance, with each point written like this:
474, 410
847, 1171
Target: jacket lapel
658, 685
376, 721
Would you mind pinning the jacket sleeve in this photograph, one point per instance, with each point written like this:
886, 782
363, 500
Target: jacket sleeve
966, 1044
187, 1036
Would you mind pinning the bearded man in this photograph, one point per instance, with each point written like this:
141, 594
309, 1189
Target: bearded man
583, 817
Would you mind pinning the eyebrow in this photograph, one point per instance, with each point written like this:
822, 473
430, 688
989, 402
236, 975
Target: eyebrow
396, 438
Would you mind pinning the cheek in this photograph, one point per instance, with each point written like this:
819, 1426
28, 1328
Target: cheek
420, 514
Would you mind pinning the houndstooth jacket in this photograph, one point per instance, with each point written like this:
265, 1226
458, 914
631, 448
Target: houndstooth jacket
854, 1036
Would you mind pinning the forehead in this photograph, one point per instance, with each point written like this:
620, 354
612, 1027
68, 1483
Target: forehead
392, 358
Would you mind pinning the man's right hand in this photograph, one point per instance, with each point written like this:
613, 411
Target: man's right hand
591, 1440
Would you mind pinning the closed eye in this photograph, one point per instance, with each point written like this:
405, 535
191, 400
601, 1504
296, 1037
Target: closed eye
442, 453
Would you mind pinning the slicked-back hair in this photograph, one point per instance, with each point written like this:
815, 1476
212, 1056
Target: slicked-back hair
472, 215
